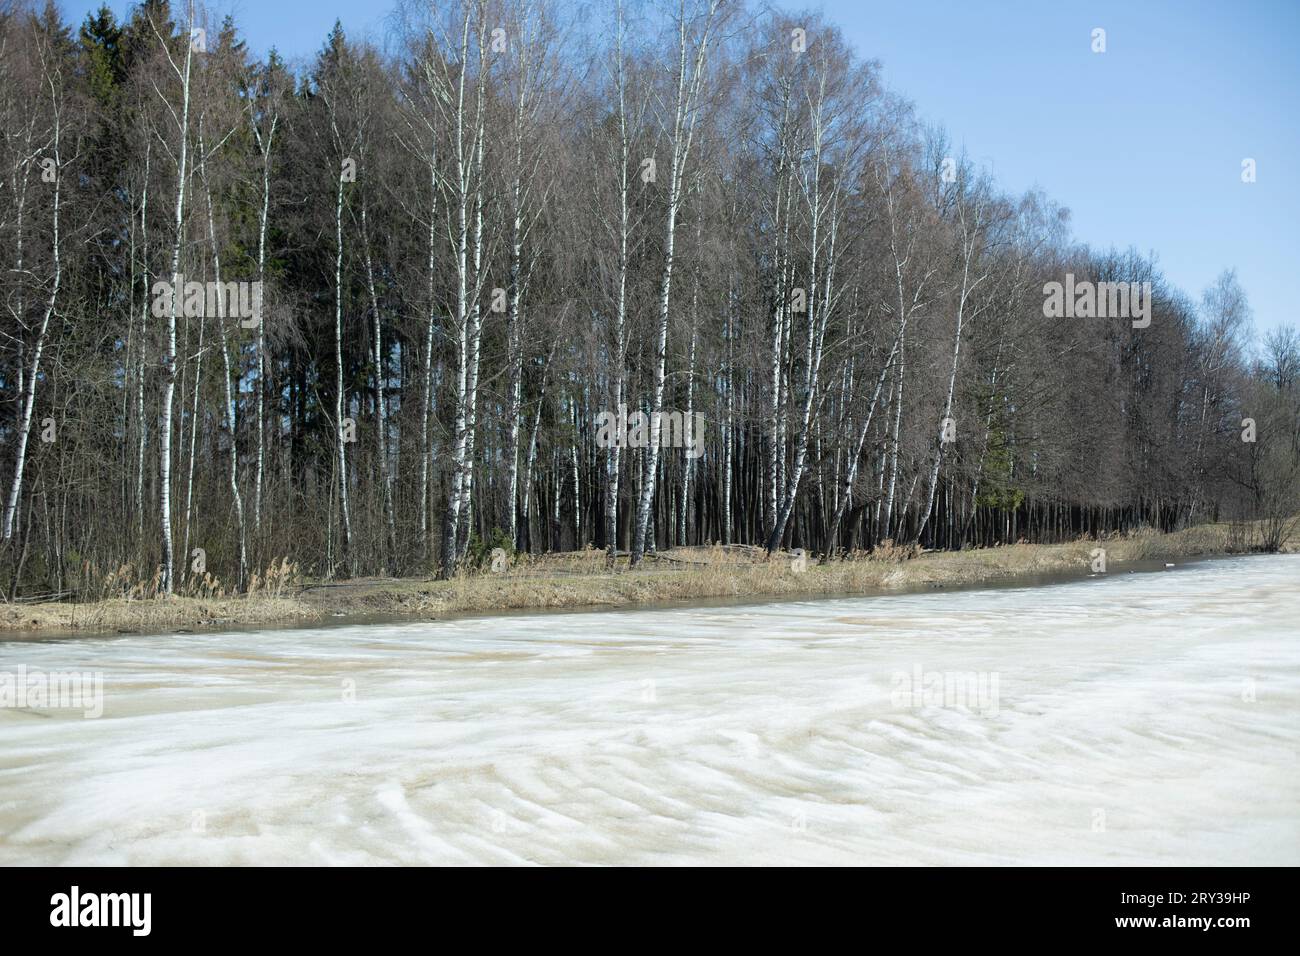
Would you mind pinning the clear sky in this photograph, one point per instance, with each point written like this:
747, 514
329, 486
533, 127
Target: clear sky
1144, 143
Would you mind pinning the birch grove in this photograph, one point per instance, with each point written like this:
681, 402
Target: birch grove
533, 276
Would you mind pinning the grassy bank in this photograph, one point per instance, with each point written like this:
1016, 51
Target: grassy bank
581, 579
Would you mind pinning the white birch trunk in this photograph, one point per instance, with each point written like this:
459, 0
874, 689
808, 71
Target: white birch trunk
29, 385
341, 461
381, 402
168, 582
689, 81
229, 410
260, 393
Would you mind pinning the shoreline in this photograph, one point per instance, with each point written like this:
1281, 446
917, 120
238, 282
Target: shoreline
577, 581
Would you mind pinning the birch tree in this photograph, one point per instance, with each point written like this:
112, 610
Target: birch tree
694, 35
180, 155
53, 88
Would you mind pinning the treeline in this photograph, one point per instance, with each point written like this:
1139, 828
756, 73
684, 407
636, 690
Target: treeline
469, 247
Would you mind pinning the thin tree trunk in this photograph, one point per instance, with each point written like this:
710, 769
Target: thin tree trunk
845, 497
683, 129
381, 403
260, 392
426, 408
341, 461
168, 581
29, 390
229, 409
141, 416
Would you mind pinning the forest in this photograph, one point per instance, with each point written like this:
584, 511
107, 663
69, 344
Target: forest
372, 314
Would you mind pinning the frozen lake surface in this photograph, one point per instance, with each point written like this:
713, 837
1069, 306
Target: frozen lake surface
1130, 719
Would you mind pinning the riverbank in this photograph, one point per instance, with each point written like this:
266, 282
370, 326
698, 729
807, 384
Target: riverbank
581, 580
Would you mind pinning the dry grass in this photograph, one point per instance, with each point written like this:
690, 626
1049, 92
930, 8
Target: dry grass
161, 614
126, 601
581, 579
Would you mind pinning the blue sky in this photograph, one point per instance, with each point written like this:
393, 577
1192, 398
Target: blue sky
1143, 143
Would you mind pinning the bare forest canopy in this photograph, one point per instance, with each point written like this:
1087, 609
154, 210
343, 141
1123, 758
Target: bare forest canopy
542, 277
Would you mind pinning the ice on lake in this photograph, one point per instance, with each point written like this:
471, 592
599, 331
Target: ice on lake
1127, 719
